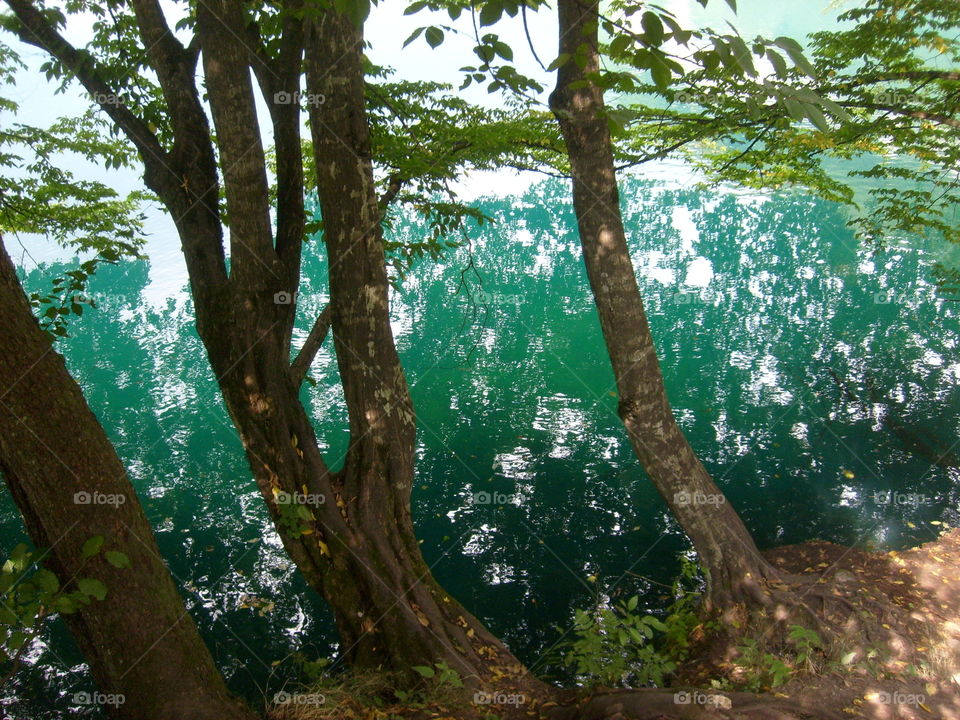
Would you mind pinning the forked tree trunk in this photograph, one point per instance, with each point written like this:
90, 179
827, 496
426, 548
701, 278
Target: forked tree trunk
69, 484
727, 552
387, 601
356, 547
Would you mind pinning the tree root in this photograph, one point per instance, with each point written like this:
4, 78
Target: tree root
687, 705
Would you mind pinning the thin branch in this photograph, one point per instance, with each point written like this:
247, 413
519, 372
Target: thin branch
37, 31
908, 75
918, 114
318, 333
526, 31
395, 183
749, 147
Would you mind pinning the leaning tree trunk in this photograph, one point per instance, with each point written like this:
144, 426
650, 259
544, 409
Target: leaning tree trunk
66, 478
735, 569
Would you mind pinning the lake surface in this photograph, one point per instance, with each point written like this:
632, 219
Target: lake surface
817, 379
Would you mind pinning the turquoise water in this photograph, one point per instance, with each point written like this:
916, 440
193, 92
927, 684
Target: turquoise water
814, 377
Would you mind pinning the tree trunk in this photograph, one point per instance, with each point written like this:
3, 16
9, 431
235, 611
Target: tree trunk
70, 485
390, 609
735, 570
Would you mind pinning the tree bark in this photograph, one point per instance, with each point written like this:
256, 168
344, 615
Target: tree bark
382, 566
735, 570
139, 641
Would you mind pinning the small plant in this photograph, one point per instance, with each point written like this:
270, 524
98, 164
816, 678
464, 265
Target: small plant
614, 646
29, 594
763, 671
683, 618
619, 647
440, 681
809, 647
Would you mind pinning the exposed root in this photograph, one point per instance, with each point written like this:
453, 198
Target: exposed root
684, 705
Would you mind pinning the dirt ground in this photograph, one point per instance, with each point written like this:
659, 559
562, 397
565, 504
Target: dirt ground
897, 655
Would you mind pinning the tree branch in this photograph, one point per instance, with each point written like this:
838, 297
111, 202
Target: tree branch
395, 183
318, 333
184, 178
908, 75
918, 114
35, 30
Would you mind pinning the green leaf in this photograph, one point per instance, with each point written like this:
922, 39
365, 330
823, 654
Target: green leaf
117, 558
794, 109
413, 36
425, 670
92, 587
92, 546
619, 44
652, 28
433, 36
558, 62
655, 623
779, 64
660, 73
834, 109
16, 640
46, 580
741, 53
490, 13
632, 603
815, 115
793, 49
503, 50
